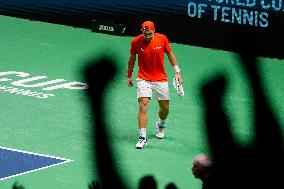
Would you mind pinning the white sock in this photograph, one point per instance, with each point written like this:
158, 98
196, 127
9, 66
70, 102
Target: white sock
142, 132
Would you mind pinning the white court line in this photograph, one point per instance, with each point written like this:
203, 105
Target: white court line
26, 152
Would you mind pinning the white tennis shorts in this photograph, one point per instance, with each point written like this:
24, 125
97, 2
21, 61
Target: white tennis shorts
160, 90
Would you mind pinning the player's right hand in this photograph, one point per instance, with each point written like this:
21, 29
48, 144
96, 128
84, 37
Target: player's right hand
130, 81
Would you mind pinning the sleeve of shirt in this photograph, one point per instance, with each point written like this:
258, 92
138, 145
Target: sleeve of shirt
167, 45
133, 47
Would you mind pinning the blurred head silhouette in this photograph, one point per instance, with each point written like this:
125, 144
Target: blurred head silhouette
148, 182
202, 166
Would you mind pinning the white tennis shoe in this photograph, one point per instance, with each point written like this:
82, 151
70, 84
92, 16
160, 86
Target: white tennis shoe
160, 133
141, 143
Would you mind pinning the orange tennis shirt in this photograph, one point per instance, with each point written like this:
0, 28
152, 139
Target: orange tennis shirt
151, 57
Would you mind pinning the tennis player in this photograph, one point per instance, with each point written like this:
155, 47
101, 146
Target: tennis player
152, 80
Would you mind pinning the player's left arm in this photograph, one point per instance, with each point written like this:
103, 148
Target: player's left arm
173, 62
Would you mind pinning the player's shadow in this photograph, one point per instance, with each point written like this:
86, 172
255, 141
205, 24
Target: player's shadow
254, 166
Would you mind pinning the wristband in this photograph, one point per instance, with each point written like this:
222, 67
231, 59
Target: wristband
176, 68
129, 73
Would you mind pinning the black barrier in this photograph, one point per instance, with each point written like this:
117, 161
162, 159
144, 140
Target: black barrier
206, 23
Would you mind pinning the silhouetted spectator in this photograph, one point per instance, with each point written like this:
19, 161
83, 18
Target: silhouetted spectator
148, 182
109, 176
256, 165
202, 169
16, 186
171, 186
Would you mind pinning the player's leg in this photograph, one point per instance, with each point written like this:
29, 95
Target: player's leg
161, 91
142, 115
144, 94
142, 121
163, 114
164, 109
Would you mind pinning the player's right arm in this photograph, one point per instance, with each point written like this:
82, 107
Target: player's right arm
131, 63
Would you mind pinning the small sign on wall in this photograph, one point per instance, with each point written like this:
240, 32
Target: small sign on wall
108, 27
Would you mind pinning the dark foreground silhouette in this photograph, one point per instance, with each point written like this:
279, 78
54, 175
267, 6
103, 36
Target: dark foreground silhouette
237, 167
254, 166
258, 165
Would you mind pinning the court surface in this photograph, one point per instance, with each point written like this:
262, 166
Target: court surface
45, 112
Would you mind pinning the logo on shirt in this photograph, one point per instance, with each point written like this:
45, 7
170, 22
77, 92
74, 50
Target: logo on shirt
142, 49
156, 48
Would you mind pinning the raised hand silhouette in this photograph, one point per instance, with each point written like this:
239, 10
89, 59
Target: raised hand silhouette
99, 73
253, 166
